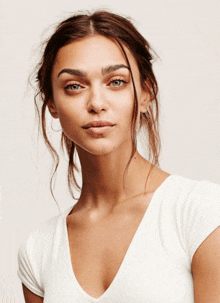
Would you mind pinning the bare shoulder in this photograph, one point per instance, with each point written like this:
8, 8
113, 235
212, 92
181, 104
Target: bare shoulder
30, 297
206, 269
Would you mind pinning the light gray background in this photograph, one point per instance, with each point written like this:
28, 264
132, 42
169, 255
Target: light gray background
184, 33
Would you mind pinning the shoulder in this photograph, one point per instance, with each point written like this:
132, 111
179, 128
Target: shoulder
198, 196
42, 233
197, 209
191, 191
38, 241
41, 238
35, 253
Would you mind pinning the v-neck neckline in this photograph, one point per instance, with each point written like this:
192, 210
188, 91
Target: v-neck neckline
154, 198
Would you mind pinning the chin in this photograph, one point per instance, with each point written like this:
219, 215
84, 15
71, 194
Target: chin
100, 150
96, 149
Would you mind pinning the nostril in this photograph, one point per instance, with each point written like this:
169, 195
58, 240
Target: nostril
96, 110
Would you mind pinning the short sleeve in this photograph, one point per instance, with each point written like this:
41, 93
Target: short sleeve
29, 268
201, 214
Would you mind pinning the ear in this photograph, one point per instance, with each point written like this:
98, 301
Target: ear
52, 109
145, 101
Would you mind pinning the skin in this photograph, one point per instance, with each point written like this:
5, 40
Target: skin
104, 156
97, 96
110, 200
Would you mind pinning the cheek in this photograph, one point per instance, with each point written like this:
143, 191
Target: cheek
67, 109
125, 105
69, 121
126, 113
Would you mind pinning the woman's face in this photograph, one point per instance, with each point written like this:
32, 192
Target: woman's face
93, 94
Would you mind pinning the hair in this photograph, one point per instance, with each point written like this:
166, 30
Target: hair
123, 32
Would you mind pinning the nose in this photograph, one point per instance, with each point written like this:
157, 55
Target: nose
96, 101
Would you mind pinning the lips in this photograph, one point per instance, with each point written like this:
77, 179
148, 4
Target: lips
98, 124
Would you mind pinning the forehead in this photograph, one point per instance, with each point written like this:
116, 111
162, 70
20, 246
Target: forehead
93, 53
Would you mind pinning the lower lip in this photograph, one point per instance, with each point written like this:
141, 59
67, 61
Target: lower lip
99, 130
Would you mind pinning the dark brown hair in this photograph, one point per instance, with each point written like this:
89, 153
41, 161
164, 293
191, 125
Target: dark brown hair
123, 32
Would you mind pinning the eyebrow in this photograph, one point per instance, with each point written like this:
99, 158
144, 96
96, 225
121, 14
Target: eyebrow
80, 73
74, 72
112, 68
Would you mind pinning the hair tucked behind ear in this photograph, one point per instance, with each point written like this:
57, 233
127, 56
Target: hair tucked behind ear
123, 32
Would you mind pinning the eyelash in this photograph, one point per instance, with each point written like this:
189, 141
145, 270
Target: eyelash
69, 86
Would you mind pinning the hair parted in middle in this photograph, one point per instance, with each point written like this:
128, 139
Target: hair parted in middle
120, 30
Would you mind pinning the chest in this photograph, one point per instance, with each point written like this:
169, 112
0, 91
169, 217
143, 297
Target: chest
97, 251
97, 266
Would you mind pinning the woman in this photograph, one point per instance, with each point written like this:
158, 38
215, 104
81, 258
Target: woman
137, 233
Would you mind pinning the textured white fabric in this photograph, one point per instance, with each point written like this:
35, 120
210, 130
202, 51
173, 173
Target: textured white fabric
157, 266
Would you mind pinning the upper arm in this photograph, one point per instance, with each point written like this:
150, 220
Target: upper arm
206, 269
30, 297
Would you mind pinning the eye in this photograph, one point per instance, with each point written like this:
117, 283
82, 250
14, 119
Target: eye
117, 82
73, 86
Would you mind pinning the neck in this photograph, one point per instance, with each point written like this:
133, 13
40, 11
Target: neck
107, 179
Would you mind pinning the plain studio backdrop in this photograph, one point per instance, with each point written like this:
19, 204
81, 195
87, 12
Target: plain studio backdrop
185, 35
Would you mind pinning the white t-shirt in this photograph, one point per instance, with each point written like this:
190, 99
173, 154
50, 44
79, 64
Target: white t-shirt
157, 266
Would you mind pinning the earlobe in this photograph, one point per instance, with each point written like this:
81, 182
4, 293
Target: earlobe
52, 109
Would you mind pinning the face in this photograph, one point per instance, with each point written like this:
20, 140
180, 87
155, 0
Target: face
93, 94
